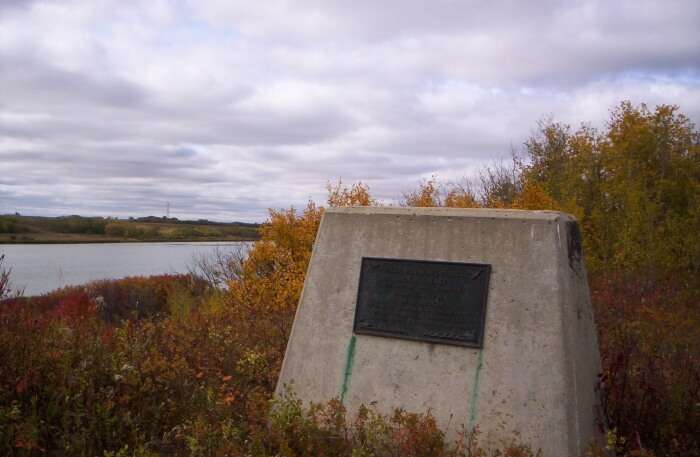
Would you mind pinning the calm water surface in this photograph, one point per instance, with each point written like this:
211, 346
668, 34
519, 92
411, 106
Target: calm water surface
40, 268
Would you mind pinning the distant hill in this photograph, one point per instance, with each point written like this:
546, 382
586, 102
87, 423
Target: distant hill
79, 229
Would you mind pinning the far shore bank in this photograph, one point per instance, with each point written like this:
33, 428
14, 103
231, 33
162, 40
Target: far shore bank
16, 229
109, 241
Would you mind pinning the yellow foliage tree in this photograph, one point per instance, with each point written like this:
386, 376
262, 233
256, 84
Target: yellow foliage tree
635, 187
533, 197
427, 195
265, 293
355, 195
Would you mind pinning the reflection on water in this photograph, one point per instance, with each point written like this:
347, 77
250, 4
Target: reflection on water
40, 268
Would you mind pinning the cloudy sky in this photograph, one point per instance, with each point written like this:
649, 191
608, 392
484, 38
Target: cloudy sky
225, 108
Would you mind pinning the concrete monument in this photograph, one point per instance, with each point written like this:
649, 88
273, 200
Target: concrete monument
481, 316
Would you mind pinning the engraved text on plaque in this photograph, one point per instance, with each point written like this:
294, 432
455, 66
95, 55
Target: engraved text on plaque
438, 302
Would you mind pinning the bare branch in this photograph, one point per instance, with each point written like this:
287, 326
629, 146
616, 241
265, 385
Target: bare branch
220, 267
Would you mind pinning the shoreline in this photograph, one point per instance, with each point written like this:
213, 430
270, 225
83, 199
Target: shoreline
115, 241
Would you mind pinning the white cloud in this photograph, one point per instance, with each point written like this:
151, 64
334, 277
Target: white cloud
225, 108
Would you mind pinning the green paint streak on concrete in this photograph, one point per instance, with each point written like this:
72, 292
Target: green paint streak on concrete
349, 361
475, 391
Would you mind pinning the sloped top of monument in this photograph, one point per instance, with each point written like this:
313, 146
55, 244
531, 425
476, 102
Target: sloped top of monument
480, 213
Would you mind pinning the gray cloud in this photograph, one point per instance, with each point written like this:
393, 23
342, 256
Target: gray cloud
53, 86
11, 4
226, 108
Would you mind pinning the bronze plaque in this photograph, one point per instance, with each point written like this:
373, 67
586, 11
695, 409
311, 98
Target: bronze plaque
437, 302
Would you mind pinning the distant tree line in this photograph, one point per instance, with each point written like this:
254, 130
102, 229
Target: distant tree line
78, 224
10, 225
146, 228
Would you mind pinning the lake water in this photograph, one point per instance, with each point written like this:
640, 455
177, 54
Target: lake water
40, 268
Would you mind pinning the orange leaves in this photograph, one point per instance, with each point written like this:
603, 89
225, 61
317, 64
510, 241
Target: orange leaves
292, 232
427, 195
461, 198
356, 195
263, 297
533, 197
229, 399
431, 193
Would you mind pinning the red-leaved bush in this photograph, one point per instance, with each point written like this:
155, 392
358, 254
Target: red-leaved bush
649, 332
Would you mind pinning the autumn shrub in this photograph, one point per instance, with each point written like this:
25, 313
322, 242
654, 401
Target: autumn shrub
72, 383
649, 332
326, 429
145, 296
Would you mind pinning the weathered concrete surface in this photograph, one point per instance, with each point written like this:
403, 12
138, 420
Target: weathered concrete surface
534, 377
